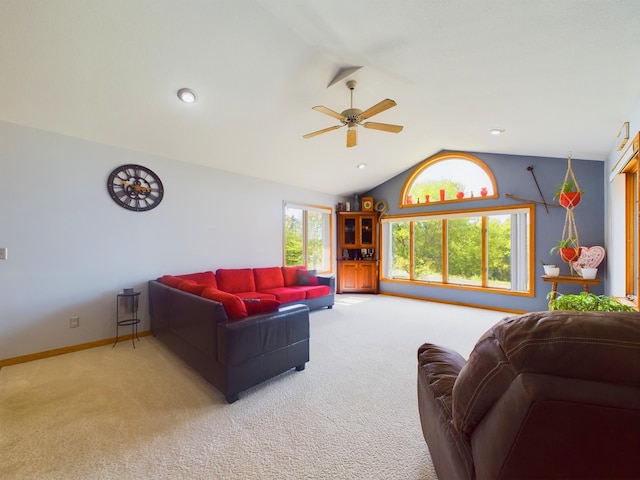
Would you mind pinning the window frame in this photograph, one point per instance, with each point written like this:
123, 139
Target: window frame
632, 233
429, 162
327, 234
517, 254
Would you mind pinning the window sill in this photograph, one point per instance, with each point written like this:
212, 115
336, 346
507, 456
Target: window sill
626, 301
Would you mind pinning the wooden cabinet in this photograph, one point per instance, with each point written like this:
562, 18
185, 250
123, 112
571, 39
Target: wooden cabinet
358, 276
358, 252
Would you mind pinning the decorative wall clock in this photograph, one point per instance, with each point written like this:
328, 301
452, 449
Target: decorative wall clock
367, 204
135, 187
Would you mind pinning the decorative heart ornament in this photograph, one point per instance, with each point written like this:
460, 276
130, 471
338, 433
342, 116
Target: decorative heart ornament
590, 257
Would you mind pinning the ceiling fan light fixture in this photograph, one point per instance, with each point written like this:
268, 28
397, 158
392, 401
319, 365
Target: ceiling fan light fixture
186, 95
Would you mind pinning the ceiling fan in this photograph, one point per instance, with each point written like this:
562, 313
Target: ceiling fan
352, 117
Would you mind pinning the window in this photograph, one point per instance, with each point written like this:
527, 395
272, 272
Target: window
474, 249
448, 177
307, 236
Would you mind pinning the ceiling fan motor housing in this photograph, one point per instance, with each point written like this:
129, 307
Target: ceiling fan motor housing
352, 115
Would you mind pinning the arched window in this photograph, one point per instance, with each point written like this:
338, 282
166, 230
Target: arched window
448, 177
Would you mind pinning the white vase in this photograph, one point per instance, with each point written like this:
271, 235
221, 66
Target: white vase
589, 273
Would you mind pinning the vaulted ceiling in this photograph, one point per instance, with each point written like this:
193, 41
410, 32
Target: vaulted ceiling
558, 76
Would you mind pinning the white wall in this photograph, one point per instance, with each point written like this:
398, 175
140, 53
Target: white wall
615, 212
71, 248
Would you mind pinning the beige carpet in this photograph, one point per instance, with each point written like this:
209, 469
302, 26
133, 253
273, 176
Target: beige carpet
122, 413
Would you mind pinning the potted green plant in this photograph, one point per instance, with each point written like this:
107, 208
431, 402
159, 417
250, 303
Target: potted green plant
586, 302
568, 194
567, 249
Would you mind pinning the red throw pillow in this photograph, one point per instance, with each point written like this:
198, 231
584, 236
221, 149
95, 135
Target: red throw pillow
255, 307
305, 278
232, 304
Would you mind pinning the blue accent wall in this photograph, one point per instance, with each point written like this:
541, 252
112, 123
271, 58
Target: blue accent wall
513, 177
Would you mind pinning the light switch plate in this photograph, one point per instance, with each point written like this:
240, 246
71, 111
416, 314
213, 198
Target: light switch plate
4, 253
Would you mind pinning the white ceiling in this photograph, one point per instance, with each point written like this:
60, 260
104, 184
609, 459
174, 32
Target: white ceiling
559, 76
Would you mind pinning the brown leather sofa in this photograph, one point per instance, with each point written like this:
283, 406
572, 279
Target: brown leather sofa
231, 355
542, 395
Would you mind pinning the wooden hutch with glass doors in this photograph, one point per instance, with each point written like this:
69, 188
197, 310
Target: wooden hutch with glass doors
357, 252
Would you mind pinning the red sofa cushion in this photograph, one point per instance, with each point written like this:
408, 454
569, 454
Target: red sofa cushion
235, 280
287, 294
315, 291
175, 282
255, 306
203, 278
255, 296
233, 305
195, 288
268, 277
290, 275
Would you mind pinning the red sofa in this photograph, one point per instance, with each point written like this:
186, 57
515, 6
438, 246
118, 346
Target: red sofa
247, 291
238, 327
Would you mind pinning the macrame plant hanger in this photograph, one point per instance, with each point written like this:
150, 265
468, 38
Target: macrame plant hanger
570, 236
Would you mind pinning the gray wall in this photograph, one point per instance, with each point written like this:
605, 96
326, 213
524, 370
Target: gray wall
513, 177
71, 248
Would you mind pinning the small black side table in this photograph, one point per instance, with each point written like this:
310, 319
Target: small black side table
127, 306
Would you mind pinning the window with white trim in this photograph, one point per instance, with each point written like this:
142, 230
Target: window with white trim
307, 236
475, 249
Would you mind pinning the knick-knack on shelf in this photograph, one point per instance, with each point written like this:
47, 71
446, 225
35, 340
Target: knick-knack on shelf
356, 202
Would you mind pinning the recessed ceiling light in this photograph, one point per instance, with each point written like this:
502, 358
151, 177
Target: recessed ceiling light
496, 131
361, 165
186, 95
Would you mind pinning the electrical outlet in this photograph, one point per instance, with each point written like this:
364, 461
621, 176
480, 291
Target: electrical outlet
74, 322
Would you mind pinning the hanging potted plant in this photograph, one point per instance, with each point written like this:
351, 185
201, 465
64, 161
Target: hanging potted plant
568, 194
568, 249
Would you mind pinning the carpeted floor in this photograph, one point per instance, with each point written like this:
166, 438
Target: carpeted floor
120, 413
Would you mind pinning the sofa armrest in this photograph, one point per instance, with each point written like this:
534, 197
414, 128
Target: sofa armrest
440, 367
328, 280
259, 334
438, 370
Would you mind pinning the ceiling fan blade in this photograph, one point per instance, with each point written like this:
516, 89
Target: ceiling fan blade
328, 111
352, 137
385, 127
324, 130
385, 104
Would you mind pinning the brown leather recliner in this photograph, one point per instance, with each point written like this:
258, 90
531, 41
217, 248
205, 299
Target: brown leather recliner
543, 395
